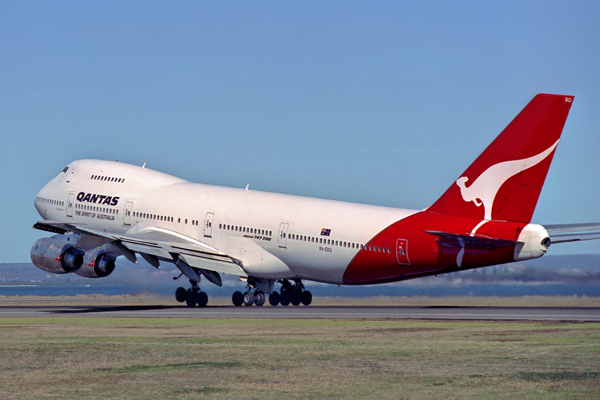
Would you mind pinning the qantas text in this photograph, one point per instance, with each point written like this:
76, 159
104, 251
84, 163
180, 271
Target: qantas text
98, 198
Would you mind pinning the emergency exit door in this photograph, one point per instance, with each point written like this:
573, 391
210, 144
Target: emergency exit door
402, 251
208, 222
283, 228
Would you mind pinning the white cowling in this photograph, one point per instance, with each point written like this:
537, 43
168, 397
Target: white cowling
534, 242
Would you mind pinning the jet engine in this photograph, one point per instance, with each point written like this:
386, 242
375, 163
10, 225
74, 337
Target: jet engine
97, 263
56, 255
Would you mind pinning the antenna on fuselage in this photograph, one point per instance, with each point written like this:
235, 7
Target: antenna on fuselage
144, 166
247, 186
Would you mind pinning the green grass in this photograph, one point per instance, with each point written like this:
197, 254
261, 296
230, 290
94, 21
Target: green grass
135, 358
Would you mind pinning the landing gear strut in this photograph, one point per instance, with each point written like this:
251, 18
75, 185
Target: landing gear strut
193, 296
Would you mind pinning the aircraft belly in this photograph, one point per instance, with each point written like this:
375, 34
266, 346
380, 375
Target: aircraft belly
259, 263
322, 267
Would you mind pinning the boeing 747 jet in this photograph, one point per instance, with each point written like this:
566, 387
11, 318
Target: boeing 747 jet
100, 210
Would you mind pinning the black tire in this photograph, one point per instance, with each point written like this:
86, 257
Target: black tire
306, 298
202, 299
274, 299
296, 299
259, 298
237, 298
248, 299
180, 294
191, 298
285, 298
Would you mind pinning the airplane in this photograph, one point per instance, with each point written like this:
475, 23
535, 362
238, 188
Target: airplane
100, 210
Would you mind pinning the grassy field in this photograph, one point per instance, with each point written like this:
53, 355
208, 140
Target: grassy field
124, 358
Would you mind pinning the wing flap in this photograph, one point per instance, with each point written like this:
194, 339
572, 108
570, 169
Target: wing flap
218, 266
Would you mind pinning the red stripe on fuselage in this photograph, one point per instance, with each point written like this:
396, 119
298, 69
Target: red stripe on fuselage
424, 253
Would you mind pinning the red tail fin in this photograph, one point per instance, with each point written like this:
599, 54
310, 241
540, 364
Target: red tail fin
505, 181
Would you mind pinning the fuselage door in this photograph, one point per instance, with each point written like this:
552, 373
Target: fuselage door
283, 228
402, 251
127, 214
208, 221
70, 202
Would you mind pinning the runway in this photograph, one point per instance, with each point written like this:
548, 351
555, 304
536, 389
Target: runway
567, 314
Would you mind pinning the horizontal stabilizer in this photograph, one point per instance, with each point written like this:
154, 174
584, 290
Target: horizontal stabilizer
471, 242
564, 228
566, 233
574, 237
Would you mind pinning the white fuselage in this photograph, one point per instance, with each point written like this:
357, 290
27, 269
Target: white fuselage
310, 238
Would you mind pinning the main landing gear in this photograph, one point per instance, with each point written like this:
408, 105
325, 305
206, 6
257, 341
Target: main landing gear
193, 296
290, 294
249, 298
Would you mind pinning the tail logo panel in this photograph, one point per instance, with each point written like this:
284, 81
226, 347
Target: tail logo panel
483, 191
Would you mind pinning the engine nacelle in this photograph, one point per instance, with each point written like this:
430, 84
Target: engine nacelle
56, 255
97, 264
535, 241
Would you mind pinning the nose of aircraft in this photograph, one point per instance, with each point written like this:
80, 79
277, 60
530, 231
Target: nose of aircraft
42, 198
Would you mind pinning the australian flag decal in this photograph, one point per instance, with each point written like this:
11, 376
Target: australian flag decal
325, 232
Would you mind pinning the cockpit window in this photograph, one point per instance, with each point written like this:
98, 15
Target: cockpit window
65, 170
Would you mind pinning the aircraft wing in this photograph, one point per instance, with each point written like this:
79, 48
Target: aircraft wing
158, 242
566, 233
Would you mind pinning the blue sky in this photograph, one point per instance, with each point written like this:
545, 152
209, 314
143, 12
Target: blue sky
373, 102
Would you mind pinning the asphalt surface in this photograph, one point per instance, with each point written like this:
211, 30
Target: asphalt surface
577, 314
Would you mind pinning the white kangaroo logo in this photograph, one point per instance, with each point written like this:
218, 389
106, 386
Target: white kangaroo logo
486, 186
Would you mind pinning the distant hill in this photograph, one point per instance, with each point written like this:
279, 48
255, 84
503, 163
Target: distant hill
549, 275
